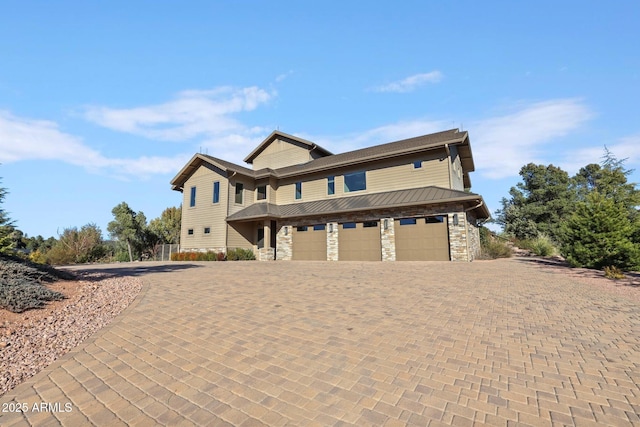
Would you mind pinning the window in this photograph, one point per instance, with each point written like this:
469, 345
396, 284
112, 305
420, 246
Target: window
262, 192
331, 185
434, 219
369, 224
260, 242
190, 232
239, 189
355, 182
298, 190
216, 192
207, 230
417, 164
347, 225
301, 228
408, 221
319, 227
192, 200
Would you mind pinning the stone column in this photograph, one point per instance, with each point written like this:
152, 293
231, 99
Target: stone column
332, 241
284, 243
388, 239
458, 236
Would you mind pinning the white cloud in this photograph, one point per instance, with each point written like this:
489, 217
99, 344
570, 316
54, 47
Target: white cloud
625, 148
379, 135
410, 83
27, 139
501, 145
194, 113
283, 76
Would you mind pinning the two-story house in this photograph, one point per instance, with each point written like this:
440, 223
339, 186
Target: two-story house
405, 200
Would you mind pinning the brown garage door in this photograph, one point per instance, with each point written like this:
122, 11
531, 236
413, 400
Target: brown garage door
359, 241
310, 243
422, 239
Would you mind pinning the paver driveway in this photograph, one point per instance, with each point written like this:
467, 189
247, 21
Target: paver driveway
318, 343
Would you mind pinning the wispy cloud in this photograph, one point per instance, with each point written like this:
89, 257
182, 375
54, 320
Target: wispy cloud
193, 113
379, 135
501, 145
28, 139
283, 76
624, 148
410, 83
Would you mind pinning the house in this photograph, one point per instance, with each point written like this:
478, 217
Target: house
405, 200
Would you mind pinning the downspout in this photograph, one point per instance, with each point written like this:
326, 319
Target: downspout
446, 148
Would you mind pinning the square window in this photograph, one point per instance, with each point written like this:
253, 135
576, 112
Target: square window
417, 164
216, 192
190, 232
207, 230
298, 190
262, 192
331, 185
192, 199
239, 191
355, 182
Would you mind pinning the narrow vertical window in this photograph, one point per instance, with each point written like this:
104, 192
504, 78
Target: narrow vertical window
262, 192
298, 190
216, 192
331, 185
192, 200
239, 191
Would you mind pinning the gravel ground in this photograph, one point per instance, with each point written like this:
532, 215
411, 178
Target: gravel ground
32, 340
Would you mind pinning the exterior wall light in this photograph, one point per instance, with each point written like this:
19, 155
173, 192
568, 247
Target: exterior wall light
386, 223
286, 230
330, 227
455, 219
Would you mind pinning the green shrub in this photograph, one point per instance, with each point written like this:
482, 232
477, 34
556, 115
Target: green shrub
198, 256
543, 246
240, 254
495, 248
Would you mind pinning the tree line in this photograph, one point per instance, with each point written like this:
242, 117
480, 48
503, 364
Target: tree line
591, 217
132, 238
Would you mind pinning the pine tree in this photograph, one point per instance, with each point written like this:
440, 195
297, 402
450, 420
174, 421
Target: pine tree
599, 234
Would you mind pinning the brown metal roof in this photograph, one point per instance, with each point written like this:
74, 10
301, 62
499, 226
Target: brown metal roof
377, 152
391, 199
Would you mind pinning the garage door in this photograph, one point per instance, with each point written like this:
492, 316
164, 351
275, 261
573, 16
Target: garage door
310, 243
359, 241
422, 239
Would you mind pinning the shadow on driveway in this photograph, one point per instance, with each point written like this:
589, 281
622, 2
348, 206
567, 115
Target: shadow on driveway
131, 269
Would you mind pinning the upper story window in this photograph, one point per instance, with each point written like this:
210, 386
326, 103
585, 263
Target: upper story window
262, 192
192, 199
298, 190
356, 181
331, 185
417, 164
239, 192
216, 192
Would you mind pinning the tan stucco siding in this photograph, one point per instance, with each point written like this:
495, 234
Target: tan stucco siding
241, 235
394, 174
279, 154
248, 195
205, 214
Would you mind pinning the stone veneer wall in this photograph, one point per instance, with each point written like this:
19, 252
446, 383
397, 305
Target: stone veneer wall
265, 254
332, 241
473, 234
458, 237
213, 249
459, 250
284, 243
388, 240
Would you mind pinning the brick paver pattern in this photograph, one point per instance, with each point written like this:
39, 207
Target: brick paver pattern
347, 343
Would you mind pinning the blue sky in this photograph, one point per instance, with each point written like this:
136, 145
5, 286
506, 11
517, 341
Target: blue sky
104, 102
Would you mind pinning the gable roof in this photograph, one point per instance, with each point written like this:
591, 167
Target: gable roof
418, 144
276, 134
390, 199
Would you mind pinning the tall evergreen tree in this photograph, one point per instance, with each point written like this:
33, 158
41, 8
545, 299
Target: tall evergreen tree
6, 226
